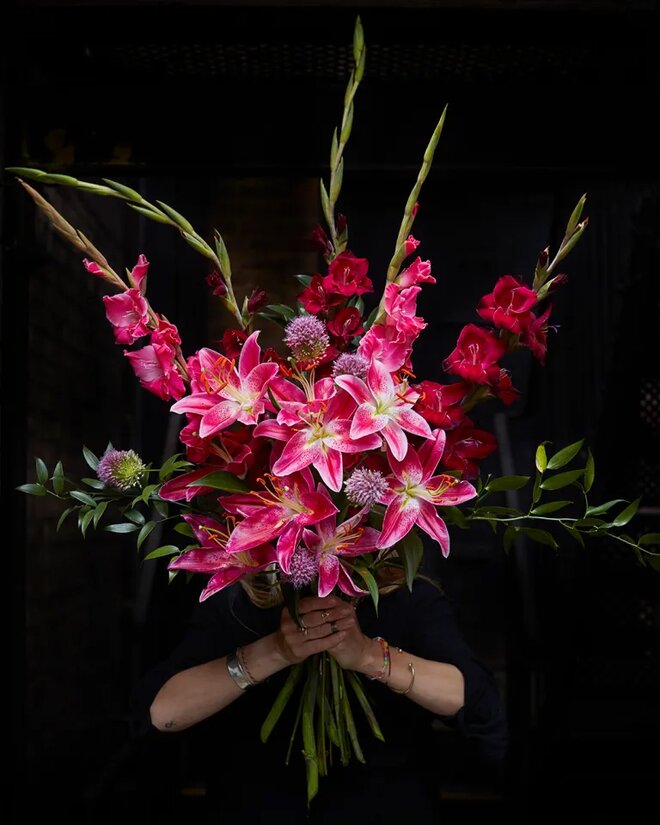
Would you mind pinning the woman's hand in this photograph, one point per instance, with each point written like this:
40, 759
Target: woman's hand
296, 643
332, 622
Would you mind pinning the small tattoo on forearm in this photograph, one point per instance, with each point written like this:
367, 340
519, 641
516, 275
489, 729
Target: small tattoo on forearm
169, 725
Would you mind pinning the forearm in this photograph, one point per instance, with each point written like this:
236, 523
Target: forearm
438, 686
199, 692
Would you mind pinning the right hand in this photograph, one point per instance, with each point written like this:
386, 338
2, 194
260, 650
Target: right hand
295, 646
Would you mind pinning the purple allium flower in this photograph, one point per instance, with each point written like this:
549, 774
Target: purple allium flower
365, 487
121, 469
303, 568
351, 363
307, 338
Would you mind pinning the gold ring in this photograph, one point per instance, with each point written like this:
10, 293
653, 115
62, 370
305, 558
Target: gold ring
333, 627
325, 614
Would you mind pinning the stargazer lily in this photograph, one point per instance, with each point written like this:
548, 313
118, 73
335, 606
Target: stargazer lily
230, 394
330, 542
415, 493
385, 408
212, 556
279, 511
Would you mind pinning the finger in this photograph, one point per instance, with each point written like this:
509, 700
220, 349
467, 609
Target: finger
327, 643
310, 603
330, 628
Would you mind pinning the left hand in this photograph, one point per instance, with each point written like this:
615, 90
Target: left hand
324, 616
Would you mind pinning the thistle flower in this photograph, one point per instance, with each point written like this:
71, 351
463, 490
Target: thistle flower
365, 487
121, 469
307, 338
303, 568
351, 363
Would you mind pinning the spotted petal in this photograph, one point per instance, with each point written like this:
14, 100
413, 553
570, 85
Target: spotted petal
431, 523
400, 517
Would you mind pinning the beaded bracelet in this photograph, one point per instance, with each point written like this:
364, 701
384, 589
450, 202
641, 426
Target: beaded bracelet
384, 674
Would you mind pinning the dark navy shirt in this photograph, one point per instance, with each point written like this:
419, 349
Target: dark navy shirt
249, 780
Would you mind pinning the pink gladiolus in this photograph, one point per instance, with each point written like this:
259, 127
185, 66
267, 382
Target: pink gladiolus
347, 275
212, 556
280, 511
385, 344
138, 276
230, 395
411, 245
475, 356
535, 335
400, 306
128, 314
384, 408
418, 272
330, 542
93, 268
156, 370
508, 305
466, 446
415, 493
166, 333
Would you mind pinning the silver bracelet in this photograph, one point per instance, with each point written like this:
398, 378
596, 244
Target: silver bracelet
237, 672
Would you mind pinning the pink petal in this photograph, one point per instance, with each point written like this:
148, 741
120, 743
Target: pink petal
258, 528
297, 454
250, 355
319, 507
214, 365
431, 523
355, 387
412, 422
284, 390
286, 545
218, 418
311, 539
347, 585
271, 429
331, 469
456, 494
198, 403
367, 542
409, 470
340, 438
328, 574
366, 421
202, 561
260, 377
379, 380
139, 272
400, 517
222, 579
431, 452
396, 440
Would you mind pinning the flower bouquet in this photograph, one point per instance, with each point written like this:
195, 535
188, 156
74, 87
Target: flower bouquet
315, 467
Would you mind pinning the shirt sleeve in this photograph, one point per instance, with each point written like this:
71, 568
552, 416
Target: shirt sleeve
436, 636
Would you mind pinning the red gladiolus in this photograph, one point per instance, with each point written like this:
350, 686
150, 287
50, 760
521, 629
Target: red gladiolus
505, 390
535, 335
348, 275
440, 404
346, 324
320, 240
256, 300
508, 305
232, 342
216, 283
316, 298
466, 446
475, 356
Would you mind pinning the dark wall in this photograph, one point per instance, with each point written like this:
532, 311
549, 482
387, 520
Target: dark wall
227, 114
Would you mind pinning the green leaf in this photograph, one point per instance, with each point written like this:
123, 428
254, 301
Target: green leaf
305, 280
626, 515
493, 510
135, 516
185, 530
561, 480
159, 552
281, 311
42, 471
84, 497
146, 493
536, 489
540, 536
564, 456
144, 532
32, 489
162, 508
649, 538
372, 584
281, 701
541, 458
454, 515
149, 213
574, 533
550, 507
589, 472
220, 480
125, 527
497, 485
58, 479
370, 319
172, 464
590, 522
90, 458
509, 537
126, 191
84, 523
653, 560
574, 220
94, 483
98, 512
177, 217
603, 508
62, 518
411, 552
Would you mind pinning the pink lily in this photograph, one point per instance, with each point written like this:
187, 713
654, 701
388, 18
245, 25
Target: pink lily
384, 408
415, 493
281, 511
212, 556
318, 433
231, 395
330, 542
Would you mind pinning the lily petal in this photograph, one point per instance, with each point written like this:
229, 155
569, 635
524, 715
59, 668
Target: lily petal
396, 440
431, 523
355, 387
218, 418
250, 355
287, 544
431, 452
400, 517
413, 422
328, 574
366, 421
379, 380
331, 468
258, 528
297, 454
